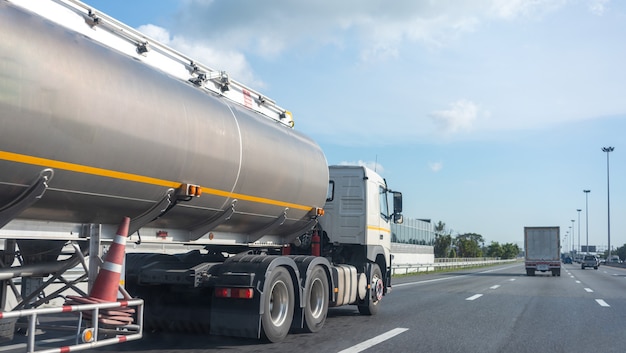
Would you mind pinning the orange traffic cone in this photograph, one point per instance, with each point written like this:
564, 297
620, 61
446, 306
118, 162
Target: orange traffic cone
108, 279
107, 283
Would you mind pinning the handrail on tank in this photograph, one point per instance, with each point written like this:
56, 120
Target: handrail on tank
203, 73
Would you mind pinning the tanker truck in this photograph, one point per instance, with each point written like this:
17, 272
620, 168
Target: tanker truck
237, 224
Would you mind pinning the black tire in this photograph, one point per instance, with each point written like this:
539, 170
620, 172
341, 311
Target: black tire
316, 307
530, 272
278, 305
375, 292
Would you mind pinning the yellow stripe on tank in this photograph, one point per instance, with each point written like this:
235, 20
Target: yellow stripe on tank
78, 168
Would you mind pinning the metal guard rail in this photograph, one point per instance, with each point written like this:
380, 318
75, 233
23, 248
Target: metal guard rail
131, 333
401, 269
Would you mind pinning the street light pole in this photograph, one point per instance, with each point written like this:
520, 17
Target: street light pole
587, 216
573, 231
608, 195
578, 209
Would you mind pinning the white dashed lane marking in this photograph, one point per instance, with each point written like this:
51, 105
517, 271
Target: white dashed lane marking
602, 303
589, 290
474, 297
495, 287
374, 341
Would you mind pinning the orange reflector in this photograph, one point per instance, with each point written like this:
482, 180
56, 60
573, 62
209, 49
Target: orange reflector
87, 335
239, 293
190, 190
320, 211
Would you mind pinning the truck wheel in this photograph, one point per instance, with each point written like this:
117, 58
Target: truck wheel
377, 287
278, 305
530, 272
317, 304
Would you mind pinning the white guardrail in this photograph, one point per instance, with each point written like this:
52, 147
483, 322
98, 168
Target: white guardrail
447, 263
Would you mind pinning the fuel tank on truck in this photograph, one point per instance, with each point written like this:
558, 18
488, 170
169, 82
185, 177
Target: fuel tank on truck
118, 133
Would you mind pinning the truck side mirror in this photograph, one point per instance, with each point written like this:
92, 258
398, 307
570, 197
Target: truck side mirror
397, 202
397, 207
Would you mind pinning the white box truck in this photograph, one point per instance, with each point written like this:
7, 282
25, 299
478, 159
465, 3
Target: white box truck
542, 246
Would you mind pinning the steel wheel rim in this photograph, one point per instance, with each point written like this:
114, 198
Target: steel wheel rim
279, 303
316, 299
378, 288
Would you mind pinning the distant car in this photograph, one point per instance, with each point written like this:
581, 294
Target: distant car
615, 259
590, 261
567, 260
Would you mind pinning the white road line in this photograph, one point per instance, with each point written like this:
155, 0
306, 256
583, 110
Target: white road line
495, 287
474, 297
577, 281
427, 281
602, 303
374, 341
512, 279
589, 290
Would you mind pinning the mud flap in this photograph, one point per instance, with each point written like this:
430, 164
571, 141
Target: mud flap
236, 317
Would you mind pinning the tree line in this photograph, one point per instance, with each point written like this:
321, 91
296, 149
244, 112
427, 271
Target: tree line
469, 245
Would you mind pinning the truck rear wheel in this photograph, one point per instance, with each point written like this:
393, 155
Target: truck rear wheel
377, 287
317, 304
278, 305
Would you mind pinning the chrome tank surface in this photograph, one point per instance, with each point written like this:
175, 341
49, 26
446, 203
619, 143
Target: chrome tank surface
118, 134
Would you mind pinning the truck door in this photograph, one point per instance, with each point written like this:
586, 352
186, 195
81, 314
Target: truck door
378, 225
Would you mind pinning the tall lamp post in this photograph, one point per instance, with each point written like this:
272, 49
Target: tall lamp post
573, 231
587, 216
578, 209
608, 195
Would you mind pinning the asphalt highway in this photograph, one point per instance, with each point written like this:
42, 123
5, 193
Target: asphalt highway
494, 309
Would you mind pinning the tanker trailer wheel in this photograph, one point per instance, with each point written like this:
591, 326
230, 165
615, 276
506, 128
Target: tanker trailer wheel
278, 305
317, 300
377, 286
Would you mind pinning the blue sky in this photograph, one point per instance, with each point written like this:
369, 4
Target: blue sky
489, 115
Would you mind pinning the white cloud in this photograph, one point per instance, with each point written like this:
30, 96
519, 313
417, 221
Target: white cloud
511, 9
274, 26
461, 116
598, 7
435, 166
